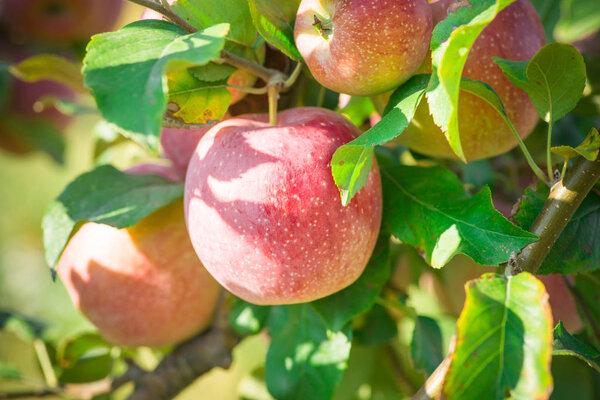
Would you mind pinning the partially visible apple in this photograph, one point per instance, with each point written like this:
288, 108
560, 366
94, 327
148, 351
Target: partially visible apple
515, 34
59, 20
562, 302
143, 285
178, 145
264, 214
363, 47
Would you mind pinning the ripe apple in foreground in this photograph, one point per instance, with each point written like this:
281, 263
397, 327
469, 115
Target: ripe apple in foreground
143, 285
515, 34
264, 214
363, 47
59, 20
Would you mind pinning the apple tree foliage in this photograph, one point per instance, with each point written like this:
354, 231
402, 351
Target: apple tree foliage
385, 334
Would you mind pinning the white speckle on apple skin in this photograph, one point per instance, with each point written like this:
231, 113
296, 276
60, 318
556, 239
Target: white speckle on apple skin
270, 226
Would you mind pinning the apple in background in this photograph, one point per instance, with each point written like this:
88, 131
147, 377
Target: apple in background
59, 20
515, 34
264, 214
178, 145
19, 103
561, 301
143, 285
363, 47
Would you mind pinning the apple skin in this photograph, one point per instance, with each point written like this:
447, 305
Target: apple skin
178, 145
374, 47
516, 34
59, 20
264, 214
143, 285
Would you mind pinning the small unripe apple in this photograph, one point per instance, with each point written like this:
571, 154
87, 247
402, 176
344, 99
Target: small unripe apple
515, 34
264, 214
143, 285
363, 47
59, 20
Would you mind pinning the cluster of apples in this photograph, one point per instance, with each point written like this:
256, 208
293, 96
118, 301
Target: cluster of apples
261, 211
28, 27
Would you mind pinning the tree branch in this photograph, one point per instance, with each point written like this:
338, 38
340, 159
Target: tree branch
565, 198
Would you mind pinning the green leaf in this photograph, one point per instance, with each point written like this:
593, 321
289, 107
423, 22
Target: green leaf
426, 345
504, 341
306, 358
125, 71
566, 344
85, 358
351, 163
272, 24
447, 221
9, 371
588, 288
578, 19
378, 327
554, 79
576, 249
51, 67
588, 149
34, 133
201, 103
247, 318
339, 308
350, 167
104, 195
201, 14
451, 42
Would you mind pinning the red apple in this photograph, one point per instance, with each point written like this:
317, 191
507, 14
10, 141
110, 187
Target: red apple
363, 47
264, 214
515, 34
178, 145
143, 285
59, 20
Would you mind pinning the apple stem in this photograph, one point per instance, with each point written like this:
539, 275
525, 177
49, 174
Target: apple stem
273, 93
324, 26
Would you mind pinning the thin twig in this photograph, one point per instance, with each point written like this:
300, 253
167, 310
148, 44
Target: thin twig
167, 12
29, 394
